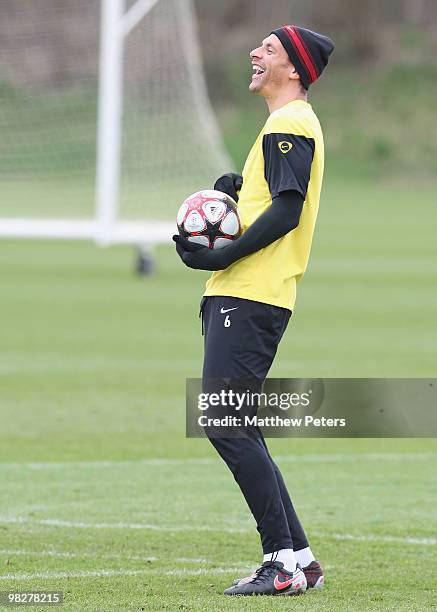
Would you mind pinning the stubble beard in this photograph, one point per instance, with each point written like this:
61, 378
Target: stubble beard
256, 88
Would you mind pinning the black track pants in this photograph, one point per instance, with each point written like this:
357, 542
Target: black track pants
241, 339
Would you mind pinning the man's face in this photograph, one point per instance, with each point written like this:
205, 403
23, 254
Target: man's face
272, 67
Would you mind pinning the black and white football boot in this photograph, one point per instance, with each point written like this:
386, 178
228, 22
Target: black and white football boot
313, 573
271, 579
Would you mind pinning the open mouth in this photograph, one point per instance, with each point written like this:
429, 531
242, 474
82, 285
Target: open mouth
257, 70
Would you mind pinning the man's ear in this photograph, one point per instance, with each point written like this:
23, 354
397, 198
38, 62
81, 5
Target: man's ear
293, 75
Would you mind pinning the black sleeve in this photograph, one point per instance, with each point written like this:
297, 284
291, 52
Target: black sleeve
280, 218
287, 162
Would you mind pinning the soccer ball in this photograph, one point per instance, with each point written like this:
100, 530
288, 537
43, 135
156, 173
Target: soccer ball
209, 218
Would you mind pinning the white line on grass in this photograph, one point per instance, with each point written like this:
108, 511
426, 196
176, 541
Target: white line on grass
44, 465
376, 538
121, 572
146, 526
44, 553
12, 552
356, 457
208, 528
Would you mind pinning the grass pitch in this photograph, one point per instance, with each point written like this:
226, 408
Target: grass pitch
104, 498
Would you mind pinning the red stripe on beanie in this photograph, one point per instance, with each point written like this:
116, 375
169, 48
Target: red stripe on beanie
298, 34
301, 50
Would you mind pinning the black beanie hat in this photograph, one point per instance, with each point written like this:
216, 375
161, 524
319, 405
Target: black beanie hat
307, 50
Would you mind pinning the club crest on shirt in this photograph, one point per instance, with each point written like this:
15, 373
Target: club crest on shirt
285, 146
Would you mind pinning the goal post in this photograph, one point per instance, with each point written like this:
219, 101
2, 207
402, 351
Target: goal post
109, 118
134, 105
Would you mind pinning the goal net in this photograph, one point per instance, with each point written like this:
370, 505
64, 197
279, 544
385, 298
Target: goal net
102, 136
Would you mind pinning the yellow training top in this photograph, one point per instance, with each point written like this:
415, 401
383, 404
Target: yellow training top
287, 155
